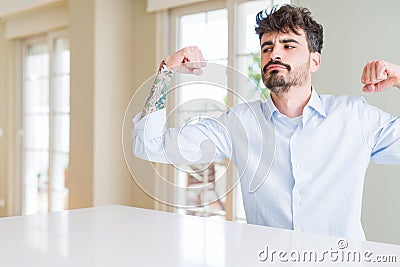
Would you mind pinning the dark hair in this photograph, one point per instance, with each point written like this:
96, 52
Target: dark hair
288, 18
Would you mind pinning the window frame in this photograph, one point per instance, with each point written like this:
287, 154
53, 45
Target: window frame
22, 45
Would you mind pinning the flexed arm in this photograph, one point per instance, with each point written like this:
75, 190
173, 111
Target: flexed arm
206, 141
187, 60
381, 130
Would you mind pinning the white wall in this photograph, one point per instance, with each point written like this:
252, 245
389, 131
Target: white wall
7, 124
3, 125
108, 41
144, 58
114, 65
81, 32
357, 31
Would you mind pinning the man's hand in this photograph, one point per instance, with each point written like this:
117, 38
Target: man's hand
187, 60
379, 75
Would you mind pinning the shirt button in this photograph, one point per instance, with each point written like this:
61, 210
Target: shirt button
296, 165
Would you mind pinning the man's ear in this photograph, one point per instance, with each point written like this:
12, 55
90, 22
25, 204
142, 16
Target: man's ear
315, 61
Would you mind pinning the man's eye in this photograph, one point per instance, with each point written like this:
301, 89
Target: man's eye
290, 47
266, 50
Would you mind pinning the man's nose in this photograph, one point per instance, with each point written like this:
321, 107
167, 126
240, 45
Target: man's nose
276, 56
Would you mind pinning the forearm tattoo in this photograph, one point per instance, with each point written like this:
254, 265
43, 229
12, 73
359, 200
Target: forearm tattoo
158, 93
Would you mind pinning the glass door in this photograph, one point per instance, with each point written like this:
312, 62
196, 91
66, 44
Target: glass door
45, 120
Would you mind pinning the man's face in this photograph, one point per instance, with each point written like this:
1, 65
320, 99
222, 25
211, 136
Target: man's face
285, 61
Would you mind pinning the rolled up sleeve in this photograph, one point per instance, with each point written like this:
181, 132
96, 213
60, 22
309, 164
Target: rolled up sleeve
382, 132
205, 141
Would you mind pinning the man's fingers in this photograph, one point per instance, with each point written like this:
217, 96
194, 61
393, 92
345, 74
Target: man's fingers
369, 88
192, 54
194, 64
378, 71
377, 87
188, 60
193, 60
373, 72
375, 76
197, 71
382, 71
183, 68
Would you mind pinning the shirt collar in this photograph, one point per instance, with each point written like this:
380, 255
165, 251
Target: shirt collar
270, 108
314, 103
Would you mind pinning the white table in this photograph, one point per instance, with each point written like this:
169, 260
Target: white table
126, 236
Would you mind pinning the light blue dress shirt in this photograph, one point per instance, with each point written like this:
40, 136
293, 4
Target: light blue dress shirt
305, 174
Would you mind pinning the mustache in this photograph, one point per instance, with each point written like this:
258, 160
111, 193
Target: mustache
275, 62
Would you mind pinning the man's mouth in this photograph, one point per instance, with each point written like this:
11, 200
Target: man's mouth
276, 65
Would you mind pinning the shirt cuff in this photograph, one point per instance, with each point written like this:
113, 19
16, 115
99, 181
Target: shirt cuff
150, 126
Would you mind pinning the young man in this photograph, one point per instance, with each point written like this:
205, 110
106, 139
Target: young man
301, 156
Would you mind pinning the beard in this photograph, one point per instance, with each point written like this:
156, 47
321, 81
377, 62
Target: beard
278, 84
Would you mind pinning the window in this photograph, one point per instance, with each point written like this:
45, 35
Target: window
206, 183
45, 122
224, 31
